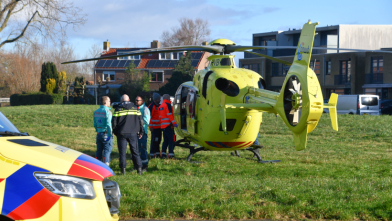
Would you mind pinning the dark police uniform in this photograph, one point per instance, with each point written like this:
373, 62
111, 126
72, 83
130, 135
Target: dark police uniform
127, 123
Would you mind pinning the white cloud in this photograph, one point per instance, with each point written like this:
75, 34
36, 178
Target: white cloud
139, 22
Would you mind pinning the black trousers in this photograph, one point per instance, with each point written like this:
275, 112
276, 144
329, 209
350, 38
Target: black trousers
168, 140
156, 137
132, 139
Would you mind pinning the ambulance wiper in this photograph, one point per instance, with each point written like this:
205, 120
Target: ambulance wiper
9, 133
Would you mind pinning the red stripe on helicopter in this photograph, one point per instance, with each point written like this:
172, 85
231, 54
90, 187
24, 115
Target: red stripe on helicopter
224, 144
80, 171
1, 180
36, 206
210, 143
233, 144
247, 144
217, 145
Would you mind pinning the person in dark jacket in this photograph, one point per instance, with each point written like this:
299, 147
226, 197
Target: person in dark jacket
127, 124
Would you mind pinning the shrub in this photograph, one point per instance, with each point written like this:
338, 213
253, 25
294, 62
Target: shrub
50, 85
35, 99
49, 70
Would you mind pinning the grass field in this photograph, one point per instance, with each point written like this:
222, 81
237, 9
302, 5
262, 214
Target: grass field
343, 175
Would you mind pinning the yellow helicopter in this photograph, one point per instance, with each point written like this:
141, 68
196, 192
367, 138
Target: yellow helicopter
221, 109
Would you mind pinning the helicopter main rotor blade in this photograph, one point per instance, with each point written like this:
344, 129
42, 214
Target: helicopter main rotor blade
234, 48
212, 49
269, 57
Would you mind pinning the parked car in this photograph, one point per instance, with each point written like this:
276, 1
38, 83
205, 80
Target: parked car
362, 104
386, 107
46, 181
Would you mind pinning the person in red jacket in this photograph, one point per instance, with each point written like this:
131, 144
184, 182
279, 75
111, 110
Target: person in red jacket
167, 125
155, 126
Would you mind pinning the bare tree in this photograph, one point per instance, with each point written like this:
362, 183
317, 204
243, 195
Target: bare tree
190, 32
47, 18
20, 73
20, 69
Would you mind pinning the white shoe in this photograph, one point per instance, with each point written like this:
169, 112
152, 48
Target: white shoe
107, 163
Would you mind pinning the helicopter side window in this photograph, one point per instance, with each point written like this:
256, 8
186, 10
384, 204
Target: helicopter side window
225, 62
217, 61
191, 104
205, 81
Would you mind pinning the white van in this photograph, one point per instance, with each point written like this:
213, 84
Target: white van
362, 104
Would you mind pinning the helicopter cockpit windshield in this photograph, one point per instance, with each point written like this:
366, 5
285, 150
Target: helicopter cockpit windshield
224, 61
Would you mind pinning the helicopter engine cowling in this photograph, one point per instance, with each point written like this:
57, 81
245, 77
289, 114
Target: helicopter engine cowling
229, 88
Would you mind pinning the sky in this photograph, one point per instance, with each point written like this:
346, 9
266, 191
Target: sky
135, 23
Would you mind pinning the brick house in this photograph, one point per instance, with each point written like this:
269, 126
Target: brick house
159, 66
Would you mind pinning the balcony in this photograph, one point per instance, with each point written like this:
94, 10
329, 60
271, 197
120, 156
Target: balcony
376, 78
342, 80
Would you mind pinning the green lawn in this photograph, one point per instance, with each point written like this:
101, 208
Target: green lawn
343, 175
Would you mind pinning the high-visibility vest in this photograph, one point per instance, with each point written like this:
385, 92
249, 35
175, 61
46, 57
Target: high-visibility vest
155, 121
166, 113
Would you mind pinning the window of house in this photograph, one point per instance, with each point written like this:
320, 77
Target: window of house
132, 57
156, 77
377, 65
345, 69
165, 56
381, 92
253, 67
275, 69
328, 67
315, 66
109, 74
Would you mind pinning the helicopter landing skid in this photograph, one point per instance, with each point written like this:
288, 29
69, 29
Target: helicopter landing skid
259, 159
191, 148
255, 150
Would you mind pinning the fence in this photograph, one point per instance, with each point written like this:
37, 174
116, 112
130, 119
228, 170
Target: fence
4, 102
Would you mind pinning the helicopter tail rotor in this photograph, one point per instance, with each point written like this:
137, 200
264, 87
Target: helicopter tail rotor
300, 102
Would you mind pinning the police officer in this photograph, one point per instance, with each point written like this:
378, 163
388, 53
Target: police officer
103, 127
167, 125
128, 127
143, 141
155, 126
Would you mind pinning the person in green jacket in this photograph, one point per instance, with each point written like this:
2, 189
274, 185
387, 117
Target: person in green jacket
103, 127
143, 141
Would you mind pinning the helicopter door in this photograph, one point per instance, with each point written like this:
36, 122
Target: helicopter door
190, 109
183, 106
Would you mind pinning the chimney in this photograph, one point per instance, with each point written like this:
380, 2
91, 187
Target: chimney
106, 45
155, 44
204, 43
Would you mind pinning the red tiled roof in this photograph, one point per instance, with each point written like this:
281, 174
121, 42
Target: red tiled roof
113, 51
143, 63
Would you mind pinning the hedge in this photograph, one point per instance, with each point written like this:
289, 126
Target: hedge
86, 99
35, 98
